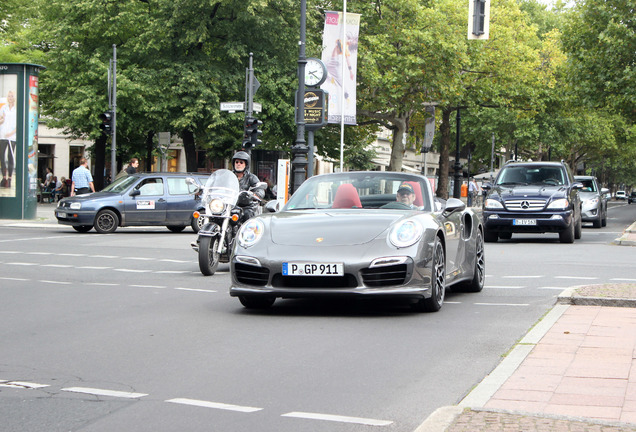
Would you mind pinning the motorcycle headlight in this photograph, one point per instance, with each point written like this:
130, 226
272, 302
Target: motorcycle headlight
251, 232
405, 233
493, 204
559, 204
216, 206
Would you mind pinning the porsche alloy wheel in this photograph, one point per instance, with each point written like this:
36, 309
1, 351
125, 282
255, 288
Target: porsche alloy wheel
438, 282
476, 284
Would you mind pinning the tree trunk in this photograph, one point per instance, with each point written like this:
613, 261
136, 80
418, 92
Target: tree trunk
149, 148
444, 163
99, 162
397, 147
190, 150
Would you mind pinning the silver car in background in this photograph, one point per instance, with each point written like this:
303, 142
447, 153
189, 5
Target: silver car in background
593, 201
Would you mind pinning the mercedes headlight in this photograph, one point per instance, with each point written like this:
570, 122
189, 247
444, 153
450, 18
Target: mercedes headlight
406, 233
216, 206
492, 204
559, 204
251, 232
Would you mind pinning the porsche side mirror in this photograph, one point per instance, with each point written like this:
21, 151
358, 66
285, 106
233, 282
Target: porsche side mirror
454, 205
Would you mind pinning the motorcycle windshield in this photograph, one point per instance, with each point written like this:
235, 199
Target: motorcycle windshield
222, 184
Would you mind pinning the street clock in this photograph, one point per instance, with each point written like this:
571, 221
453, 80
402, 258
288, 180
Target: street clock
315, 72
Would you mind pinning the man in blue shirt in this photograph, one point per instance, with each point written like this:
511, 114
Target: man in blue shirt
82, 179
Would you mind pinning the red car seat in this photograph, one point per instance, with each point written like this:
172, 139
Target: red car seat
346, 197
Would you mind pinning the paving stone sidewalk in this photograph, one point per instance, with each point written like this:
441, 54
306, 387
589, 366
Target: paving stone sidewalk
574, 371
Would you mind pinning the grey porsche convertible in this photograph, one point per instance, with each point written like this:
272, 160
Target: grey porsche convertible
360, 234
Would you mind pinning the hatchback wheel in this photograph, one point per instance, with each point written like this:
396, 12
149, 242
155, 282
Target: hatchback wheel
106, 222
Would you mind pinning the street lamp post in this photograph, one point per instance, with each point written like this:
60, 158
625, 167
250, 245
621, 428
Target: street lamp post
300, 149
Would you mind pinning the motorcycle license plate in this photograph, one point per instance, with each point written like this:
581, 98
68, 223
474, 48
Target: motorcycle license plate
524, 222
312, 269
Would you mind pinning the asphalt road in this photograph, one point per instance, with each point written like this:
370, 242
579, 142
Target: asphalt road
123, 333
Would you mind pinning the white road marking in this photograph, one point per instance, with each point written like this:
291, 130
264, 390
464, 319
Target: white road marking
551, 288
504, 286
623, 279
94, 268
57, 265
22, 384
503, 304
38, 253
14, 279
72, 254
174, 261
102, 283
132, 270
523, 277
55, 282
9, 252
216, 405
194, 289
449, 302
148, 286
21, 263
173, 271
576, 277
102, 392
138, 258
338, 418
103, 256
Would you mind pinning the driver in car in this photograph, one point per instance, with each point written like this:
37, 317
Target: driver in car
404, 198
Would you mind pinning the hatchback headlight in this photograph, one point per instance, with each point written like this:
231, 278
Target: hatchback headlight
559, 204
493, 204
406, 233
251, 232
75, 206
216, 206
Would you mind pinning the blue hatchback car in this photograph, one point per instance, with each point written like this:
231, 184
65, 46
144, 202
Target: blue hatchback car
144, 199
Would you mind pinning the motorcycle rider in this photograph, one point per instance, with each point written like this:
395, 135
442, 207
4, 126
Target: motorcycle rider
240, 166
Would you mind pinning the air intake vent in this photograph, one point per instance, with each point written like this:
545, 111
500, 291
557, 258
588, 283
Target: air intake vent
385, 276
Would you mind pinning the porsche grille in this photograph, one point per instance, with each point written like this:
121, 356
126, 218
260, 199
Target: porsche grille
384, 276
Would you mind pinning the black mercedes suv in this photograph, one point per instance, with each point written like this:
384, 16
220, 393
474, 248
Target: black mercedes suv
533, 197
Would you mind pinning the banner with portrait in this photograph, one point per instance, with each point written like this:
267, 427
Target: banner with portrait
8, 133
341, 60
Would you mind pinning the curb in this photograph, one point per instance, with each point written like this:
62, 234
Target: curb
567, 297
628, 238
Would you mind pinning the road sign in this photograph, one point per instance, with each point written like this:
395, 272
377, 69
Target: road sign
232, 106
239, 106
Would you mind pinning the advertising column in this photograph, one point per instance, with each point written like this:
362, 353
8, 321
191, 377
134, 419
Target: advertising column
19, 113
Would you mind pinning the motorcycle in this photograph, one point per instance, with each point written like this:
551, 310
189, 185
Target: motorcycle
222, 218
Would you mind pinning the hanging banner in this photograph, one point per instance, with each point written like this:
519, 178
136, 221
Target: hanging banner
334, 54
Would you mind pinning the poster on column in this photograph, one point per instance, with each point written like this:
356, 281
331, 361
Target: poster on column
32, 137
335, 54
8, 132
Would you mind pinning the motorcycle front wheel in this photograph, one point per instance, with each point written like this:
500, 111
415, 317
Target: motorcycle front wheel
208, 255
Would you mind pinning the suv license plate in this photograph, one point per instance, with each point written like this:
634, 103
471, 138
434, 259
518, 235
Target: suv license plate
312, 269
524, 222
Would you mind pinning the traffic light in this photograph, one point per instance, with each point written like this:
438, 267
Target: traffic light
107, 122
252, 132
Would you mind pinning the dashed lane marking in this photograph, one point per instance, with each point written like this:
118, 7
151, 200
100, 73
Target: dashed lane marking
102, 392
101, 283
14, 279
148, 286
338, 418
215, 405
623, 279
576, 277
195, 289
56, 282
21, 384
522, 277
504, 286
132, 270
94, 268
57, 265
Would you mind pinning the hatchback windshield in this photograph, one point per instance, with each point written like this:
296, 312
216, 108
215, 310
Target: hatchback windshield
120, 184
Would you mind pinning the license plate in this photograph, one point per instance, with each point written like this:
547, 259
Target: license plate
61, 215
312, 269
524, 222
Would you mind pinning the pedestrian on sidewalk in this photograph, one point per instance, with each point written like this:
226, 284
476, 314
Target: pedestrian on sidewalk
474, 191
132, 166
82, 179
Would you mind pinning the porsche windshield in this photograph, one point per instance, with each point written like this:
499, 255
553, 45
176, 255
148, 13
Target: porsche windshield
357, 191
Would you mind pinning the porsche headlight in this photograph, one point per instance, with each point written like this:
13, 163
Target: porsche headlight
75, 206
492, 204
216, 206
406, 233
251, 232
559, 204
